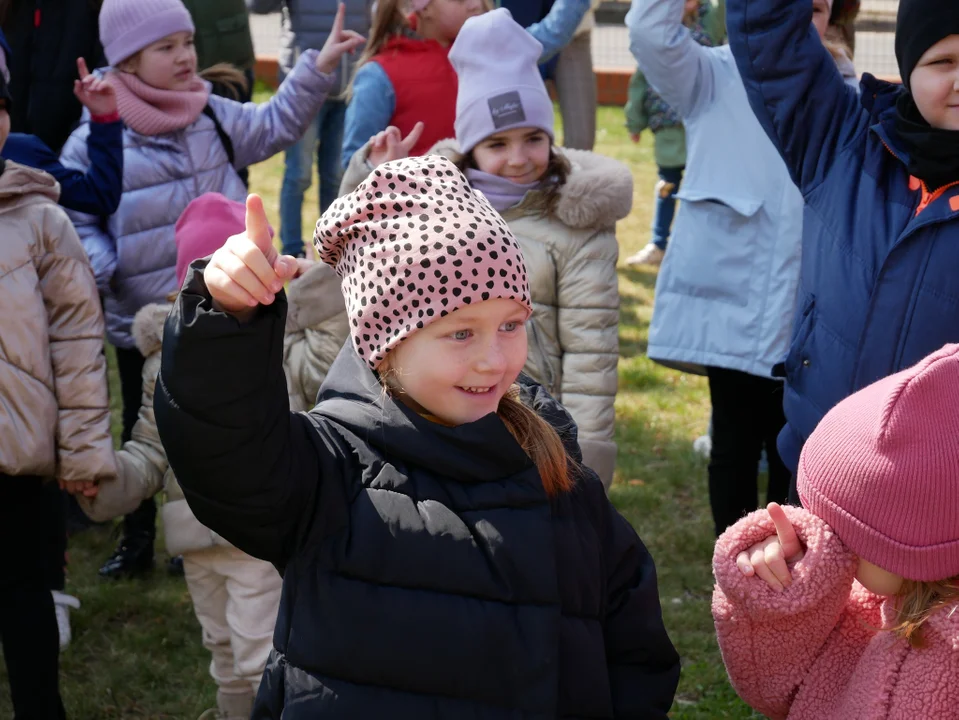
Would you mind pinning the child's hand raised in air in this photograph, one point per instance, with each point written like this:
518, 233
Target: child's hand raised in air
390, 145
771, 558
95, 94
248, 271
338, 43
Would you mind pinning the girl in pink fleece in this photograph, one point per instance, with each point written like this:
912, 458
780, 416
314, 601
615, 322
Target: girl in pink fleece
846, 609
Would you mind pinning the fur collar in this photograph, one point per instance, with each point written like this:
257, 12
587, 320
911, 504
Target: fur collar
599, 190
147, 328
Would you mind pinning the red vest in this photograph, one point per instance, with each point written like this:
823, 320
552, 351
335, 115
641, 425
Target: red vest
424, 84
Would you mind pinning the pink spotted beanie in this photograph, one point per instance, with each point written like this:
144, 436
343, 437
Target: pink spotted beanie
413, 243
128, 26
882, 469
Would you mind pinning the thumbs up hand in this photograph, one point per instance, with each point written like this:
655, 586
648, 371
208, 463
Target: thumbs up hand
248, 271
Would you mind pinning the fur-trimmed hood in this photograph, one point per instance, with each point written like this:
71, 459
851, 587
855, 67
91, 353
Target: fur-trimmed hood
598, 192
147, 327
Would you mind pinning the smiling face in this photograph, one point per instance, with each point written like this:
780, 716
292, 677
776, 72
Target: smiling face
459, 367
520, 155
167, 64
934, 84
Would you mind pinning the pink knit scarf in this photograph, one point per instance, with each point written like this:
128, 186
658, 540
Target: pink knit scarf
152, 111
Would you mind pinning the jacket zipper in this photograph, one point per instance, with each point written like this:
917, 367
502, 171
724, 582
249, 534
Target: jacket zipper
927, 198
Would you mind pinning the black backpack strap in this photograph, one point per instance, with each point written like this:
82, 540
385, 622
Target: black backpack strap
224, 138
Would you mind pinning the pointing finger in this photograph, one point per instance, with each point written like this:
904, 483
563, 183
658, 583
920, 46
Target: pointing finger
258, 227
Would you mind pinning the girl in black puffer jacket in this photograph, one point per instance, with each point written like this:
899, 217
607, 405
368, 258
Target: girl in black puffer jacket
444, 553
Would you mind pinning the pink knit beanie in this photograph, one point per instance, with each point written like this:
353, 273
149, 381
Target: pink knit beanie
412, 244
882, 469
203, 228
128, 26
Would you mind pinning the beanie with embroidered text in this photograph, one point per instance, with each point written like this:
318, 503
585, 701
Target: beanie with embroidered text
500, 87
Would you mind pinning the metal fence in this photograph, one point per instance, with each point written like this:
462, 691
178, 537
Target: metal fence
874, 37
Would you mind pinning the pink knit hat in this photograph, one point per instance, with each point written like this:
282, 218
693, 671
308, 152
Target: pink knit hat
206, 224
413, 243
128, 26
882, 469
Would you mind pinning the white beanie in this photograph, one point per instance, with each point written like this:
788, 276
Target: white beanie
499, 82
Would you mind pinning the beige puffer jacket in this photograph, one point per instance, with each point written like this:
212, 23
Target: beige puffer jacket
54, 413
142, 463
571, 260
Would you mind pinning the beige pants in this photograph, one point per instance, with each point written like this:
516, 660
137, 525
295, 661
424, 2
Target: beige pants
576, 87
236, 598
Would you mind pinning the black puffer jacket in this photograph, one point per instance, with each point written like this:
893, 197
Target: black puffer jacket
46, 37
424, 575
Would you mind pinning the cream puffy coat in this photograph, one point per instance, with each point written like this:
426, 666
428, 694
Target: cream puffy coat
316, 330
54, 413
571, 259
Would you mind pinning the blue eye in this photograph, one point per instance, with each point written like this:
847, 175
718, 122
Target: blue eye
511, 326
461, 335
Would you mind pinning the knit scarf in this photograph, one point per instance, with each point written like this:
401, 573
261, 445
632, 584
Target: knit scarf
151, 111
933, 153
501, 192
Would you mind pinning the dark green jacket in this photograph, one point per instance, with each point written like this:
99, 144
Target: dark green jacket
222, 32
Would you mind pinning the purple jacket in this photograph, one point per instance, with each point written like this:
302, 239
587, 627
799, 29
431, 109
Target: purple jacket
133, 251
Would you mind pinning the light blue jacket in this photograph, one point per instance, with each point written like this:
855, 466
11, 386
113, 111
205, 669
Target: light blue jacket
133, 252
727, 288
373, 101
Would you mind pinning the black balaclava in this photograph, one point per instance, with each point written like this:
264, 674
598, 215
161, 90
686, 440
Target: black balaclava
920, 25
933, 152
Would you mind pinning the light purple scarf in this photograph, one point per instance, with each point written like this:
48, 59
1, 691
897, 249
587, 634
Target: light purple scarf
501, 192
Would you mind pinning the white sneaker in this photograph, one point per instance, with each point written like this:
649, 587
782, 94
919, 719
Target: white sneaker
703, 446
62, 604
649, 255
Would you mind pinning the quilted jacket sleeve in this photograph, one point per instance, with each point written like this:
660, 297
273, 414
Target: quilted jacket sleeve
316, 328
643, 664
141, 463
100, 247
261, 131
794, 86
75, 331
769, 639
252, 471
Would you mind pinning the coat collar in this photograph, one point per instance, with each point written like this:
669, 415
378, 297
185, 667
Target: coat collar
481, 451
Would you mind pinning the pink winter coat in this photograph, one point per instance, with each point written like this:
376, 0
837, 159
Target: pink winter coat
815, 651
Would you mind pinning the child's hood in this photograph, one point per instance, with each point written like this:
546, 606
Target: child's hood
313, 298
147, 328
597, 193
18, 182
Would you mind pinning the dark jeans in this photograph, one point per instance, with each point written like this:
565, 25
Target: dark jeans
130, 368
32, 528
666, 189
747, 417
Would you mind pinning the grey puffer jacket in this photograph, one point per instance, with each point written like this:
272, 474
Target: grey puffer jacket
307, 23
315, 331
133, 252
571, 258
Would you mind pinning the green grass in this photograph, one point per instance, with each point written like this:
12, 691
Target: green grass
136, 651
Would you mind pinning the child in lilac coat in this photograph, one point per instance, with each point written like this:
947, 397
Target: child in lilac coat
847, 609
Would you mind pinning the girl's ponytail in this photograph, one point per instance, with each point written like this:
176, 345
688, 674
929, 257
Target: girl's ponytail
540, 441
388, 22
226, 77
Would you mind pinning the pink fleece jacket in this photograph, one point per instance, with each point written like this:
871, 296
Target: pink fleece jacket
815, 650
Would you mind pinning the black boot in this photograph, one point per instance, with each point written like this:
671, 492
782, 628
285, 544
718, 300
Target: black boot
134, 554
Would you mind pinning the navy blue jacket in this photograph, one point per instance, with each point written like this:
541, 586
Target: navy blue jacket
425, 577
95, 192
879, 286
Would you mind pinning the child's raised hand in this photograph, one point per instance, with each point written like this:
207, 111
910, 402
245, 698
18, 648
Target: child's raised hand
95, 94
390, 145
635, 137
248, 271
771, 558
338, 43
